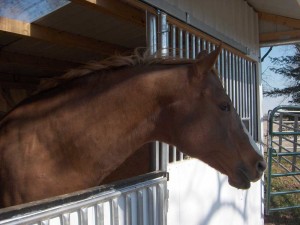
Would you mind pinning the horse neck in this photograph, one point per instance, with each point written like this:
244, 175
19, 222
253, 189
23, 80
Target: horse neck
124, 117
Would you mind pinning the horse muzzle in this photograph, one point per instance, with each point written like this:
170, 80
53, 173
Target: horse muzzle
243, 177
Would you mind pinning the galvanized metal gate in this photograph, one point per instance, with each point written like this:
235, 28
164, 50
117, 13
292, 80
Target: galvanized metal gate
172, 38
284, 150
138, 201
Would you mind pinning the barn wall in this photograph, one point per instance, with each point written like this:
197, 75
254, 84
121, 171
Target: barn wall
232, 21
201, 196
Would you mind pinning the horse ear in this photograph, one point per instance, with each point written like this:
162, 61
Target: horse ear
201, 55
206, 62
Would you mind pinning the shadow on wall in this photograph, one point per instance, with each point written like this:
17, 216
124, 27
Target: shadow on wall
199, 195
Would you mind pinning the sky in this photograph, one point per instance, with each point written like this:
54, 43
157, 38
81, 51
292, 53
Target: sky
270, 79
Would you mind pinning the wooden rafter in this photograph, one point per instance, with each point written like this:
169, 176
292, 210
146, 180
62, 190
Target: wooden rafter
280, 36
293, 34
58, 37
36, 61
282, 20
116, 8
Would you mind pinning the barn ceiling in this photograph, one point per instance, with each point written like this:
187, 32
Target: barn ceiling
41, 39
279, 21
44, 38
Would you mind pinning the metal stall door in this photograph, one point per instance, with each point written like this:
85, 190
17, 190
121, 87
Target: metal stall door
238, 74
283, 158
137, 201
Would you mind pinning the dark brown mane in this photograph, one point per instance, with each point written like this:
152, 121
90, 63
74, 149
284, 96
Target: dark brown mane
116, 61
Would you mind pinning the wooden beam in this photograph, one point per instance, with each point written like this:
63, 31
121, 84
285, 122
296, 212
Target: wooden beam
116, 8
36, 61
58, 37
281, 20
280, 36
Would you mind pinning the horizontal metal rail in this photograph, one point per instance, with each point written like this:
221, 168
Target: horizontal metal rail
285, 174
284, 208
131, 201
285, 192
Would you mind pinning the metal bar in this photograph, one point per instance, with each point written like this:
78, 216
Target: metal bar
163, 33
285, 174
151, 31
285, 192
287, 154
294, 144
173, 40
193, 47
155, 156
285, 133
198, 45
180, 43
187, 45
164, 156
284, 208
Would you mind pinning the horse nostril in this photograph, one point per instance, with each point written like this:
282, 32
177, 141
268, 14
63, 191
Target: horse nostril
261, 166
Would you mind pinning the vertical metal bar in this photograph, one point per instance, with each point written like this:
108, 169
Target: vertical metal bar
174, 154
140, 205
295, 143
114, 212
247, 90
160, 195
219, 67
45, 222
173, 40
65, 218
99, 214
83, 216
239, 89
249, 93
150, 205
255, 106
155, 156
225, 71
204, 46
229, 77
164, 151
233, 75
187, 45
280, 136
198, 45
243, 88
128, 210
151, 31
180, 42
193, 46
163, 33
208, 46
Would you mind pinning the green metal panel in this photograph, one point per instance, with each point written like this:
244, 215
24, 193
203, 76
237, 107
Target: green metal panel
285, 120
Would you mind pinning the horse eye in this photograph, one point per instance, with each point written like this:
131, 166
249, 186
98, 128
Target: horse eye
225, 107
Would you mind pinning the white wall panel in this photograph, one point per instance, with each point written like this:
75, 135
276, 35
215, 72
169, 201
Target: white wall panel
199, 195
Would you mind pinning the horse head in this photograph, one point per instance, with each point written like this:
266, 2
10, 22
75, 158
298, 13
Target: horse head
205, 125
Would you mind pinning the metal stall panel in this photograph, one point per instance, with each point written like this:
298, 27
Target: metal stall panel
138, 201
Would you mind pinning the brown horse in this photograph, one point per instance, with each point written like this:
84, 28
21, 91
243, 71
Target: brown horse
73, 135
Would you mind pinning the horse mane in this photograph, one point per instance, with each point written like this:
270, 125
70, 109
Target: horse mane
140, 56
